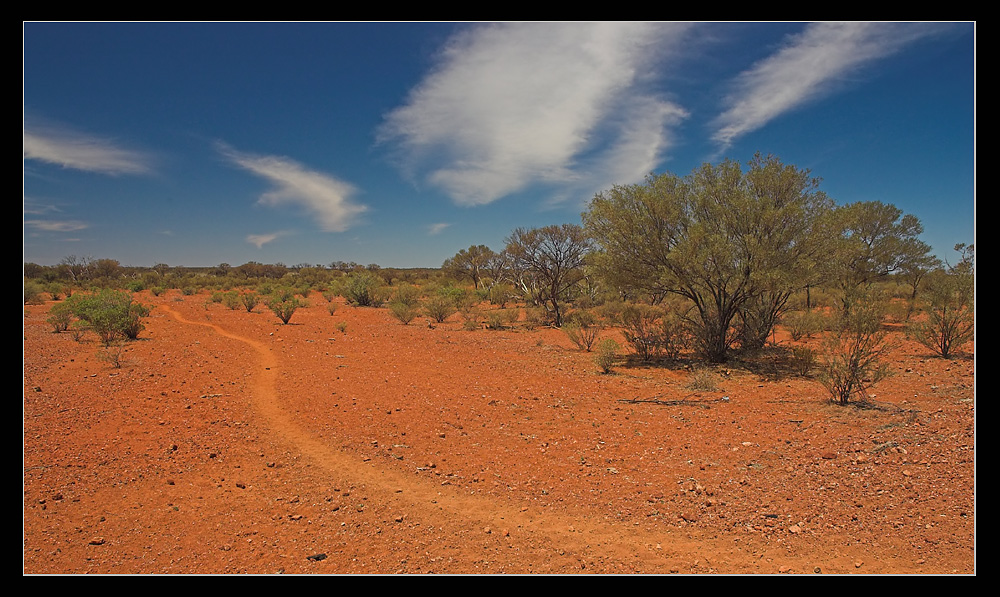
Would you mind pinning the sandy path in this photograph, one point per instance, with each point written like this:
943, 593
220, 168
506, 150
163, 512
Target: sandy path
445, 506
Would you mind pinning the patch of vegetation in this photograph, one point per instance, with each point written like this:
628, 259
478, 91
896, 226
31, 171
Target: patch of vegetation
704, 380
402, 311
951, 316
112, 314
607, 355
854, 353
284, 309
582, 328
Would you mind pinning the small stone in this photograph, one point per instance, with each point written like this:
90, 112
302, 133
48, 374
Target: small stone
97, 541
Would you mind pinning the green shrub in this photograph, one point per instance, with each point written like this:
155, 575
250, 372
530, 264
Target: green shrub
284, 309
803, 359
641, 328
250, 300
77, 330
582, 329
407, 294
232, 300
439, 308
111, 314
60, 317
365, 289
500, 319
803, 324
32, 292
501, 294
951, 317
404, 312
607, 354
534, 317
854, 353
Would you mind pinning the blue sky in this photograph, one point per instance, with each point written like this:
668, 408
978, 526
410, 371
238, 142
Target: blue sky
402, 143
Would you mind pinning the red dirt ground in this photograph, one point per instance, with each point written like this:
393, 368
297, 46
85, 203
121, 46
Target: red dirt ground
230, 443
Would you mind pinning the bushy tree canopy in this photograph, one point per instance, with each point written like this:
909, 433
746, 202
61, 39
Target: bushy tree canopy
548, 262
721, 237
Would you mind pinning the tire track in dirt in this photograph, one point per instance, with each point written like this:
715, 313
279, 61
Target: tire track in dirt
445, 506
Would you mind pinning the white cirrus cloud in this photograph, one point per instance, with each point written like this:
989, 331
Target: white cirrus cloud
810, 65
437, 228
512, 105
62, 146
56, 225
259, 240
328, 199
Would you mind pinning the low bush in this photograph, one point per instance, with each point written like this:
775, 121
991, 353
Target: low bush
439, 308
32, 292
232, 300
365, 289
854, 353
407, 294
404, 312
112, 354
284, 309
500, 319
582, 328
703, 380
803, 324
654, 332
607, 355
60, 317
250, 300
950, 321
501, 294
111, 314
803, 359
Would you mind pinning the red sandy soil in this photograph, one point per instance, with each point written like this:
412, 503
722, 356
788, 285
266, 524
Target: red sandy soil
230, 443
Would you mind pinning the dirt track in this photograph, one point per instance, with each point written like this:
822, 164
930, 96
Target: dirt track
231, 443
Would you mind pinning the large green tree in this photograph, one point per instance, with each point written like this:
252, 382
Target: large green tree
877, 240
726, 239
470, 263
548, 262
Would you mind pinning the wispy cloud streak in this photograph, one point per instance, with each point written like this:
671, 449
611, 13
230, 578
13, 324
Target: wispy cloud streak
512, 105
259, 240
435, 229
809, 66
71, 149
325, 197
56, 225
